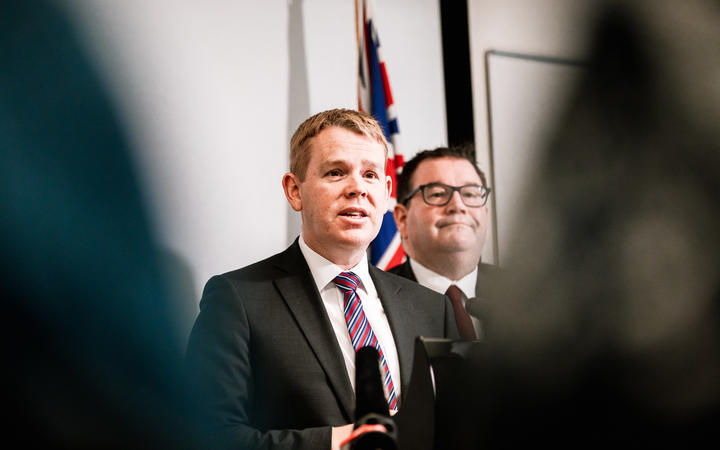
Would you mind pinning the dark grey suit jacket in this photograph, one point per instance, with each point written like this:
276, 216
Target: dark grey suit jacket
265, 359
486, 286
486, 290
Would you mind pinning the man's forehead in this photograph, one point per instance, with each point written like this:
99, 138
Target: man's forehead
345, 161
339, 146
434, 170
336, 133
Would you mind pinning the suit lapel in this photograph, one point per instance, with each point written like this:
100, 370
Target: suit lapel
400, 316
407, 271
304, 301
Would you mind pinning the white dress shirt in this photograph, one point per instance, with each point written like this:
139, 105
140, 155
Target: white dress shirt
439, 283
323, 272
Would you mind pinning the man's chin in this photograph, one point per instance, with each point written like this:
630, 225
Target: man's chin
457, 227
457, 232
457, 243
356, 238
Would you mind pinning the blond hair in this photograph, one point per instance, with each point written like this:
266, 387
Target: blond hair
356, 121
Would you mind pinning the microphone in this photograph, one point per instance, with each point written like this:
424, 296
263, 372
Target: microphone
374, 428
369, 392
479, 308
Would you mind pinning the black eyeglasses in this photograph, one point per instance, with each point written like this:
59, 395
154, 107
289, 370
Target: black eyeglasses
439, 194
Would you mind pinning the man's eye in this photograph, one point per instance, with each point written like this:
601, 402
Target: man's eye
471, 194
371, 175
334, 173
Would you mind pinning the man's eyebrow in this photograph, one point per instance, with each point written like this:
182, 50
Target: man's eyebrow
342, 162
466, 183
371, 163
333, 162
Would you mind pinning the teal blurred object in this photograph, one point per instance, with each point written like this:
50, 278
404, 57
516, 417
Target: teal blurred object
91, 359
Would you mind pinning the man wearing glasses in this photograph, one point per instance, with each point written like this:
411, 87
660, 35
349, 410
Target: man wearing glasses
442, 219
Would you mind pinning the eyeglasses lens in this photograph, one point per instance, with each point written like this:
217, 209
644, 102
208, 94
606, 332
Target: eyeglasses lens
439, 195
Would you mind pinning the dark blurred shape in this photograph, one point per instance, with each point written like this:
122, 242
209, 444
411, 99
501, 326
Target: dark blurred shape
415, 420
181, 289
371, 407
610, 334
91, 359
369, 395
480, 308
457, 393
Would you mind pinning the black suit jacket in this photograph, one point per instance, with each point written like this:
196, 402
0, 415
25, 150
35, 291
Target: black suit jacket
486, 288
265, 359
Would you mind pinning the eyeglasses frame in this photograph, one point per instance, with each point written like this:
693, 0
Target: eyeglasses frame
484, 194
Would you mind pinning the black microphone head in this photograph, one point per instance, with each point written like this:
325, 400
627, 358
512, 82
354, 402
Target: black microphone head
369, 393
386, 439
478, 308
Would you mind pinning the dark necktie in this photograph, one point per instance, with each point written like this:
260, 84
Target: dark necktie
462, 318
361, 334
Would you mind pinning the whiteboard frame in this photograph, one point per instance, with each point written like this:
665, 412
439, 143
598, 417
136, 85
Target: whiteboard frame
488, 56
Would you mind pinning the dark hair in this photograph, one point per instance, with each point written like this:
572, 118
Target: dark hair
403, 180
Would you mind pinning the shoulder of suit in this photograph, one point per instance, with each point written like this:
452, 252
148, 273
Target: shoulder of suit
404, 270
408, 287
489, 268
268, 268
390, 274
396, 269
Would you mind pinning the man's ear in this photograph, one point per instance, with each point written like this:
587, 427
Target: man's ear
388, 185
291, 186
400, 215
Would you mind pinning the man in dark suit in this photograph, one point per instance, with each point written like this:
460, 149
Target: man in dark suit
273, 349
443, 234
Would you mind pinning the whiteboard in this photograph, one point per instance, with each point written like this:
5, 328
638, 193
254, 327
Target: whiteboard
525, 95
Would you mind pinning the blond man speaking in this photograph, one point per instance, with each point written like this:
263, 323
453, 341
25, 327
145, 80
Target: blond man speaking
272, 352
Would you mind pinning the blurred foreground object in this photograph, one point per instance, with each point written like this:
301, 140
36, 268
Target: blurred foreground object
91, 359
610, 336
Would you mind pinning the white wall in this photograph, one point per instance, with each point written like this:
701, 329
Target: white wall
527, 97
210, 99
210, 92
554, 28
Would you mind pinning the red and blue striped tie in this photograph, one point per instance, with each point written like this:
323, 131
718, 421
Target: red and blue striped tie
361, 334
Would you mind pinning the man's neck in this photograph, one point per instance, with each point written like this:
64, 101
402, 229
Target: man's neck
346, 262
440, 283
345, 258
453, 266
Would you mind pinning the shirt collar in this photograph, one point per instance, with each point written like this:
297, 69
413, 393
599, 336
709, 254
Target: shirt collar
324, 271
439, 283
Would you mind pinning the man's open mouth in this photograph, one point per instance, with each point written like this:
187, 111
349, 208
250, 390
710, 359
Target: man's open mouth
353, 213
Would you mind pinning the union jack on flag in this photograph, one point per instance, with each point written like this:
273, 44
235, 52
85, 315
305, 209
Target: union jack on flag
375, 97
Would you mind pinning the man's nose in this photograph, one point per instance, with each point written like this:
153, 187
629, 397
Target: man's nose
356, 186
456, 204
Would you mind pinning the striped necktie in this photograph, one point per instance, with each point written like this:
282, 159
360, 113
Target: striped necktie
361, 334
